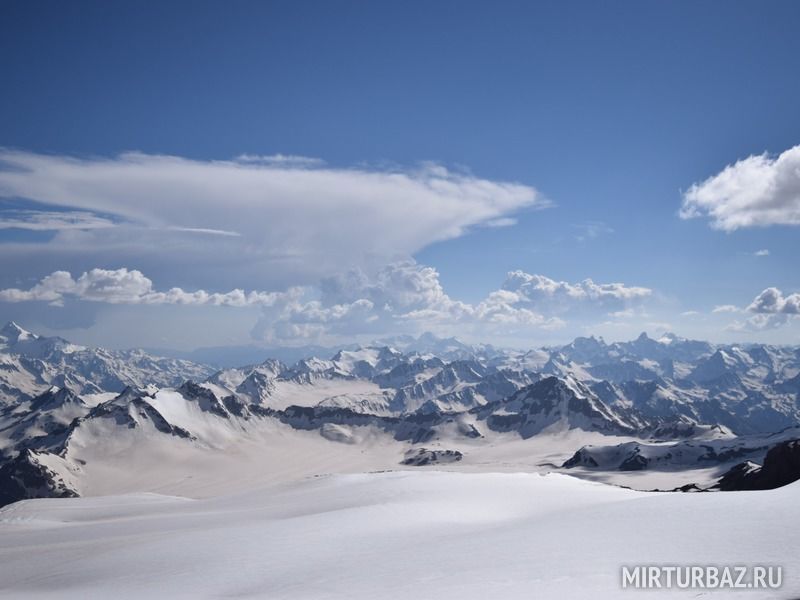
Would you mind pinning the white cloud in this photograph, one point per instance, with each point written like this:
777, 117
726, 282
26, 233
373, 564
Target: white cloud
771, 310
659, 326
501, 222
281, 159
123, 286
772, 300
205, 231
287, 220
400, 297
591, 230
763, 252
561, 296
759, 322
754, 192
46, 220
726, 308
401, 286
406, 296
43, 220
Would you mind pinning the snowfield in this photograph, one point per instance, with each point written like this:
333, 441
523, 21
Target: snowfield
421, 534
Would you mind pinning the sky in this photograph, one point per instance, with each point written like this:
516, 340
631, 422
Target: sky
190, 174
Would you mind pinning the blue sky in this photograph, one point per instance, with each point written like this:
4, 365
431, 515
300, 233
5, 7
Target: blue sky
602, 115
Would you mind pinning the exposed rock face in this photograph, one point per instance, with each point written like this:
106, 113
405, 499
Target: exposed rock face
132, 412
415, 428
35, 475
337, 433
419, 457
635, 462
581, 458
554, 403
781, 467
205, 398
713, 446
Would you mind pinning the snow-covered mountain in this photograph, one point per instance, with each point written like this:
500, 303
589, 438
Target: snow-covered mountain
749, 389
708, 446
73, 416
554, 404
30, 364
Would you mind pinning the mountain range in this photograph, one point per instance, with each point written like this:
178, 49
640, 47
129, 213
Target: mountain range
78, 421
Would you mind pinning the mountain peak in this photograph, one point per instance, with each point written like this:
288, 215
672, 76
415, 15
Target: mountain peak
14, 333
431, 337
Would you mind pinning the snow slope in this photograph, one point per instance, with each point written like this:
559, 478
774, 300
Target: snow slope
422, 534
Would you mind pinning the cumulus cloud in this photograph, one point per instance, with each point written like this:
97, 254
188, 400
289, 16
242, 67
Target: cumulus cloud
754, 192
288, 220
770, 309
123, 286
772, 300
725, 308
763, 252
399, 296
400, 286
562, 296
406, 296
759, 322
403, 296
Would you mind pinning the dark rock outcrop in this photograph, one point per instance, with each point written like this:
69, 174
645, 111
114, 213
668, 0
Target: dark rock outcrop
27, 476
419, 457
781, 467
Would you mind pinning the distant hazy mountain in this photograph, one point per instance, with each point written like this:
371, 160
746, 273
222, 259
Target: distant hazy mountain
30, 364
223, 357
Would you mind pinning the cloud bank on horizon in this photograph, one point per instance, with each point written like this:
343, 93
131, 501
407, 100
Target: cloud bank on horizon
401, 296
333, 246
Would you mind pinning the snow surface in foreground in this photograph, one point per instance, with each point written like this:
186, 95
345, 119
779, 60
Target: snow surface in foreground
424, 534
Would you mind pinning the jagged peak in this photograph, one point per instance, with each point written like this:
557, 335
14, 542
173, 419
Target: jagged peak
129, 393
272, 363
14, 333
54, 397
550, 384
